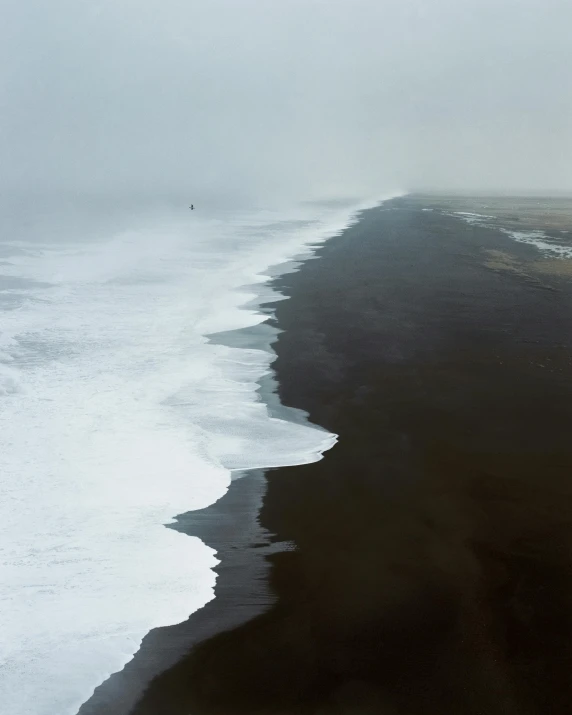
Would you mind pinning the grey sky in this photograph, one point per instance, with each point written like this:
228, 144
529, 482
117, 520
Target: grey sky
285, 97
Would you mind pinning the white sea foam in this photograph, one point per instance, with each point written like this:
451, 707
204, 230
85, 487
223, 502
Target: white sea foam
116, 414
471, 217
539, 239
536, 238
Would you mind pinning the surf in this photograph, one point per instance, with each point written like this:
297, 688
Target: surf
118, 412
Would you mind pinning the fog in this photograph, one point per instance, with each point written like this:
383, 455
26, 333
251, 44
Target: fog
263, 99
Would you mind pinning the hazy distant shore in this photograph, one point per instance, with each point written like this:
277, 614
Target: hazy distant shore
547, 213
432, 565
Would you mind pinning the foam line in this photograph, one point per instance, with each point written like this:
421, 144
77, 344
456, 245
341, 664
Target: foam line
117, 414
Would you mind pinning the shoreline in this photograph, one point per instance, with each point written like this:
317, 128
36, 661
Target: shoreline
426, 538
230, 526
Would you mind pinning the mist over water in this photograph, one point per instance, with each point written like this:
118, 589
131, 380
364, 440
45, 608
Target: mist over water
118, 413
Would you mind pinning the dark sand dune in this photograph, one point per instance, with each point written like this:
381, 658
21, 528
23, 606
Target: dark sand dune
433, 569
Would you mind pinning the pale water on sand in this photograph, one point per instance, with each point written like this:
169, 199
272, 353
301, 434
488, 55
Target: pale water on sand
116, 414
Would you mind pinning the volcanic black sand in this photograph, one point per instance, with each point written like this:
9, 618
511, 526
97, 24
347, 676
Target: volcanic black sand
432, 568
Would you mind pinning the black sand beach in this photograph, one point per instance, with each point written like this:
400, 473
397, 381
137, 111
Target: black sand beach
432, 569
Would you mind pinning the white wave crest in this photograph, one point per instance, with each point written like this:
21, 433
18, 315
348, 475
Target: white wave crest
116, 414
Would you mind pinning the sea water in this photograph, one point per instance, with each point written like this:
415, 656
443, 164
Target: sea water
117, 413
551, 247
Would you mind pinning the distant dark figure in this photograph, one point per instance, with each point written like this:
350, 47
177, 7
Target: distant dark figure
192, 207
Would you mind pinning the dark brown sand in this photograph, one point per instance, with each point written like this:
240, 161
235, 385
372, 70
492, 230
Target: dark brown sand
433, 566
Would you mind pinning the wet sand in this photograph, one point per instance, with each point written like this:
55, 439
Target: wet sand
552, 214
432, 569
231, 527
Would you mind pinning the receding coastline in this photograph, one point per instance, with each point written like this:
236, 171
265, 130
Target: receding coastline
230, 526
432, 570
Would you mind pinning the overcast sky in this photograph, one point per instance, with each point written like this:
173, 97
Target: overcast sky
311, 98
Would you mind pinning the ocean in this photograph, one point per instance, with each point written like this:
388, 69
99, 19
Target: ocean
117, 413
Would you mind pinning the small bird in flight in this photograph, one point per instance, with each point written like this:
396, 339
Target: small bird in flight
192, 207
